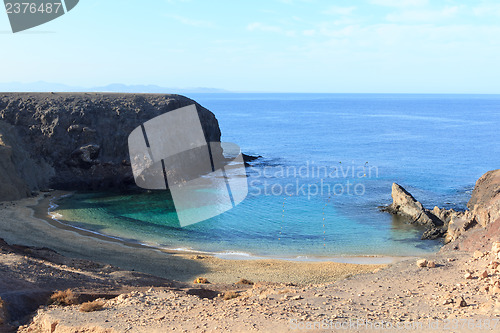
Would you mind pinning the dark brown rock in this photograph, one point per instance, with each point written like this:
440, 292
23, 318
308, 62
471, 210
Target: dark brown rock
76, 140
17, 169
433, 233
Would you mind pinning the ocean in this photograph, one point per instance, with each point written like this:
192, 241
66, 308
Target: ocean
328, 163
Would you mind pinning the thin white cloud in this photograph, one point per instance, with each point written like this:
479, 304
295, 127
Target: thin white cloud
404, 39
485, 10
338, 10
291, 2
399, 3
263, 27
423, 15
309, 32
345, 32
259, 26
191, 22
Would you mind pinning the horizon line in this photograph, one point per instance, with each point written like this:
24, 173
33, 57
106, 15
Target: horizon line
246, 92
196, 90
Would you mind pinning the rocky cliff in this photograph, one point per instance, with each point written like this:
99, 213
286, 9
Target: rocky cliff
485, 200
76, 140
483, 210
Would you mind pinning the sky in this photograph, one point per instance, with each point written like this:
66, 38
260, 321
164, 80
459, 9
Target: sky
316, 46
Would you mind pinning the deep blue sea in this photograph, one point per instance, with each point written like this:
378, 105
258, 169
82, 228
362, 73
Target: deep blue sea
328, 161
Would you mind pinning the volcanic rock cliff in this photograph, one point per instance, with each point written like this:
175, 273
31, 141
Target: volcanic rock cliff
483, 210
76, 140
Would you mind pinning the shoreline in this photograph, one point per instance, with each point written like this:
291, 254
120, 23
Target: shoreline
26, 222
48, 204
240, 295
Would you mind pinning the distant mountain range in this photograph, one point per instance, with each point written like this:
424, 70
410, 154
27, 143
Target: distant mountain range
42, 86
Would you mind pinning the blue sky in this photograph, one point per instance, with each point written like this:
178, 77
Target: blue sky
400, 46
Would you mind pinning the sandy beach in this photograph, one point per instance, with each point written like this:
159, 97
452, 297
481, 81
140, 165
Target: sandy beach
147, 290
26, 222
276, 166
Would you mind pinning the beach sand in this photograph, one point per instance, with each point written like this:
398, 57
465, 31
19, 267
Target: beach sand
26, 222
286, 296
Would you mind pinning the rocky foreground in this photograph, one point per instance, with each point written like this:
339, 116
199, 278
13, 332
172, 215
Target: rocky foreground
457, 289
403, 294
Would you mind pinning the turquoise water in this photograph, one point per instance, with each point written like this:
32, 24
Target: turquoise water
328, 162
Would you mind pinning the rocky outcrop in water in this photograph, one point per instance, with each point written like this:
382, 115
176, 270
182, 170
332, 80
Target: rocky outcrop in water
483, 210
436, 220
76, 140
404, 204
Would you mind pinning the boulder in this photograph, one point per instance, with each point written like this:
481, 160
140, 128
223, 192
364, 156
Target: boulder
404, 204
495, 247
85, 156
433, 233
458, 225
478, 254
445, 215
461, 303
422, 263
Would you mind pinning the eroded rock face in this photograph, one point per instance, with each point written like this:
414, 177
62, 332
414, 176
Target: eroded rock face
484, 206
438, 221
485, 200
76, 140
484, 209
4, 316
12, 186
19, 173
458, 225
404, 204
445, 215
433, 233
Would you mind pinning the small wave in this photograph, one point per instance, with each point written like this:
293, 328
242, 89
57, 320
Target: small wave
233, 253
53, 206
302, 257
185, 249
56, 216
